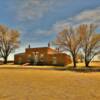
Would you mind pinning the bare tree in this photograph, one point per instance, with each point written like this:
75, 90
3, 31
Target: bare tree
90, 42
69, 40
9, 41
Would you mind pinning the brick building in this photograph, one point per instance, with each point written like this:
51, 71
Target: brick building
42, 56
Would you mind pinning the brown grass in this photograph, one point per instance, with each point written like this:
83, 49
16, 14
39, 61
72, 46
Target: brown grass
29, 84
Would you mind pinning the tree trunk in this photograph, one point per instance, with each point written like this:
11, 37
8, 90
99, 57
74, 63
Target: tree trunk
74, 61
5, 60
86, 63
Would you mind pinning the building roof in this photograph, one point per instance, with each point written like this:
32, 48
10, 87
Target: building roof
44, 48
40, 48
19, 54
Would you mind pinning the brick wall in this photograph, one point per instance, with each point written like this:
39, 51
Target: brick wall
45, 56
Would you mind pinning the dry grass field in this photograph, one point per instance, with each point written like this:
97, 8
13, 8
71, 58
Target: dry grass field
30, 84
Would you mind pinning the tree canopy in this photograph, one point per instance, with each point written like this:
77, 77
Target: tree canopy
9, 41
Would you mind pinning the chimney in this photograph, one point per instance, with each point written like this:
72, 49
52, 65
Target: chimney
49, 45
57, 49
29, 46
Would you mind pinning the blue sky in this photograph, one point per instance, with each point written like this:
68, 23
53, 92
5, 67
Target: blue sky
40, 20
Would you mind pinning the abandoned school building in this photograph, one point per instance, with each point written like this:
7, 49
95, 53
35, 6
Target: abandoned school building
42, 56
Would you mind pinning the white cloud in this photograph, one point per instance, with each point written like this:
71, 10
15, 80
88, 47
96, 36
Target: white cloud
43, 32
89, 15
86, 17
30, 10
60, 25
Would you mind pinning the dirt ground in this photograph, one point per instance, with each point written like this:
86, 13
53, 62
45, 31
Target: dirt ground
30, 84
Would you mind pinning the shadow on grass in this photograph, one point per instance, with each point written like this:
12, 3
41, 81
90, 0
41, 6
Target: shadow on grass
57, 68
84, 69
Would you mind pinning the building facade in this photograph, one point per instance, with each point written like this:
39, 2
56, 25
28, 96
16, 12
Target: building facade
42, 56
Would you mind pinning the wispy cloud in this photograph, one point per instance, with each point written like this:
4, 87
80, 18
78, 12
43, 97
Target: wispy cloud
89, 16
35, 9
30, 10
86, 17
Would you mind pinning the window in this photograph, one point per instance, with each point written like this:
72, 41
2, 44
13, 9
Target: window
29, 56
41, 57
54, 60
20, 60
37, 53
36, 59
